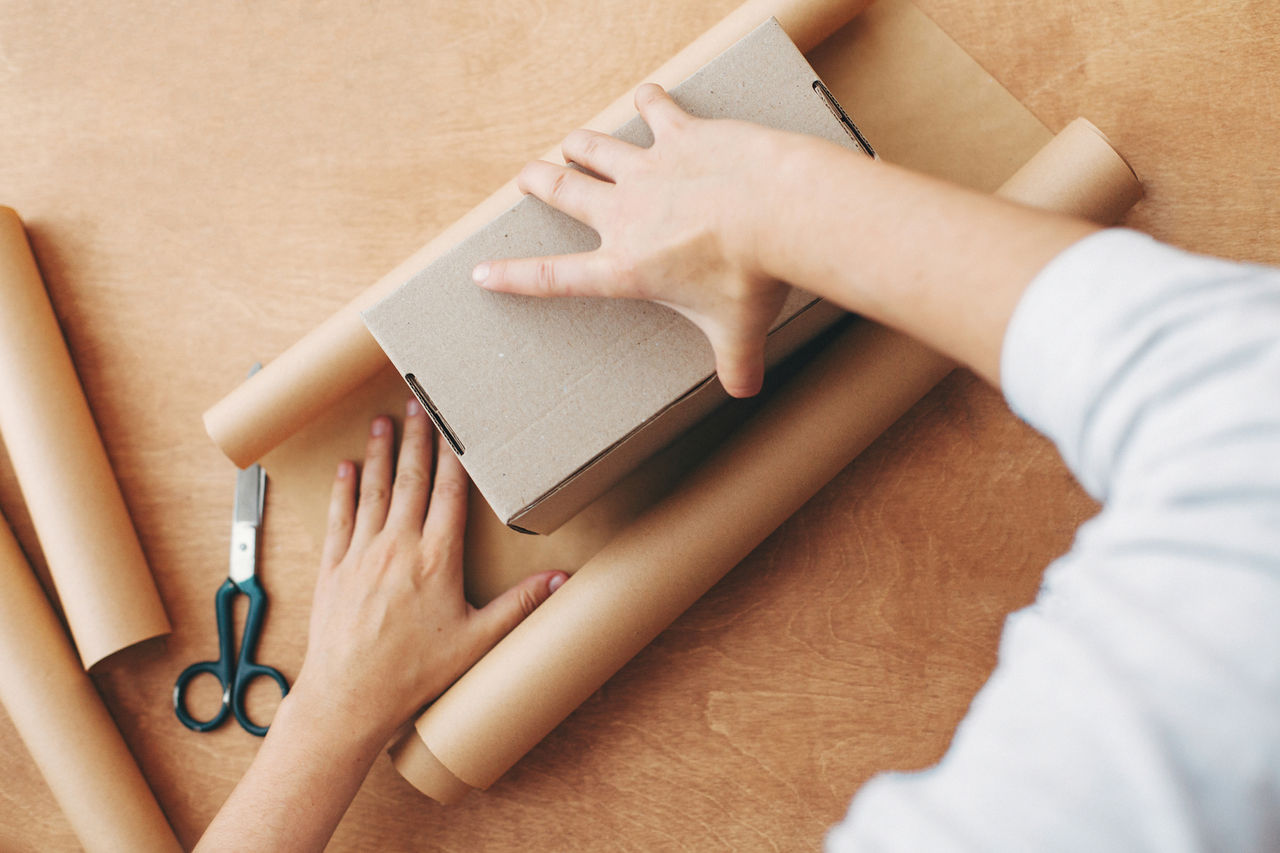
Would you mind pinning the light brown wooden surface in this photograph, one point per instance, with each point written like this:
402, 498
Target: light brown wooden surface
203, 184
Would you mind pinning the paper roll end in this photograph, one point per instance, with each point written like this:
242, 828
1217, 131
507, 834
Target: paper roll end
420, 767
1082, 122
221, 424
1102, 185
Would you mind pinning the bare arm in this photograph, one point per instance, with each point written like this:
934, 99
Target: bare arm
715, 214
390, 630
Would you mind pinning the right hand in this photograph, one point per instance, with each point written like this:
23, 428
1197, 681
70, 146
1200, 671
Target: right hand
389, 619
680, 223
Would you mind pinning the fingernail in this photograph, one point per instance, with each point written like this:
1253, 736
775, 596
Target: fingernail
344, 470
555, 583
480, 274
379, 426
412, 408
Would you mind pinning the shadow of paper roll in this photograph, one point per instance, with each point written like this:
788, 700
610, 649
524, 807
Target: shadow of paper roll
652, 571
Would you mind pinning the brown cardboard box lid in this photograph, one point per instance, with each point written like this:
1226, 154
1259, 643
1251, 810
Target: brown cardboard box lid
532, 393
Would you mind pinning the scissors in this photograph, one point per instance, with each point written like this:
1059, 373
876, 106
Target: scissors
235, 673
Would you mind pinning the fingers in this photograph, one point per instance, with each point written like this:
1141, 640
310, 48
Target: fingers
496, 619
740, 365
657, 109
567, 190
447, 518
342, 514
375, 482
598, 152
413, 471
586, 274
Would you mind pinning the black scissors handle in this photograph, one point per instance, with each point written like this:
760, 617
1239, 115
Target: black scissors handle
234, 674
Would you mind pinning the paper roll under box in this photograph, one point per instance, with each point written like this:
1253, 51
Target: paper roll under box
550, 402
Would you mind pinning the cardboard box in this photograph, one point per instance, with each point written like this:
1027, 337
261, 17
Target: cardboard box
550, 402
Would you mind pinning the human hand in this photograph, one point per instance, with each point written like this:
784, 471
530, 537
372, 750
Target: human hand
678, 224
390, 629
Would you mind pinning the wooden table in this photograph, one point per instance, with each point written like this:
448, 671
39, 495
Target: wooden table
205, 183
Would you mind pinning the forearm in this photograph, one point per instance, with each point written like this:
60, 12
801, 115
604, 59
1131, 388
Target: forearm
942, 263
300, 783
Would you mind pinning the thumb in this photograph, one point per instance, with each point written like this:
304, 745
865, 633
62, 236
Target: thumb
740, 365
497, 618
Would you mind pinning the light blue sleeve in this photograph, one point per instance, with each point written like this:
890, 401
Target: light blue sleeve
1136, 703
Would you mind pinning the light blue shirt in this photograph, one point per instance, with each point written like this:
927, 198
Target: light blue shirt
1136, 703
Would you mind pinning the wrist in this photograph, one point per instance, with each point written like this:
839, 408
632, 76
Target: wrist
793, 203
314, 714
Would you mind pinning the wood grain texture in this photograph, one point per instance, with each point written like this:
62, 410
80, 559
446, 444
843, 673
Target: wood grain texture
204, 184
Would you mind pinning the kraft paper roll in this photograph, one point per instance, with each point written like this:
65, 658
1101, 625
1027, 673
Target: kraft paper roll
65, 725
1078, 173
657, 567
102, 579
340, 355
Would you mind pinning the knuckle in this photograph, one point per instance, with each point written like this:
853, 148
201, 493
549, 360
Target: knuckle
560, 186
451, 489
528, 601
339, 525
382, 554
373, 494
544, 276
410, 477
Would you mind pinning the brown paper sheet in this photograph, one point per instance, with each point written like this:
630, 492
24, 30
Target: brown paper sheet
102, 579
922, 101
657, 567
64, 722
340, 355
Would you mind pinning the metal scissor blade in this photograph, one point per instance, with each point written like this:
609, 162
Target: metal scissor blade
250, 487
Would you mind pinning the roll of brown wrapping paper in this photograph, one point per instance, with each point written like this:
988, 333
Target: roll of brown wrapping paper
103, 583
64, 723
616, 603
339, 355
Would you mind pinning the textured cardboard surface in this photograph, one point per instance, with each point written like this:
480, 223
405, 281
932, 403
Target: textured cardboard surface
536, 392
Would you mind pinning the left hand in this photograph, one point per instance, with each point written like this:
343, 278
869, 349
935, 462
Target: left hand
390, 629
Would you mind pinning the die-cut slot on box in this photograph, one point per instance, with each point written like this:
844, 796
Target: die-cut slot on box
549, 402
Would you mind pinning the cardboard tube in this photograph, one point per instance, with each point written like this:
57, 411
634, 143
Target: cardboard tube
97, 565
656, 568
65, 725
1102, 186
340, 354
